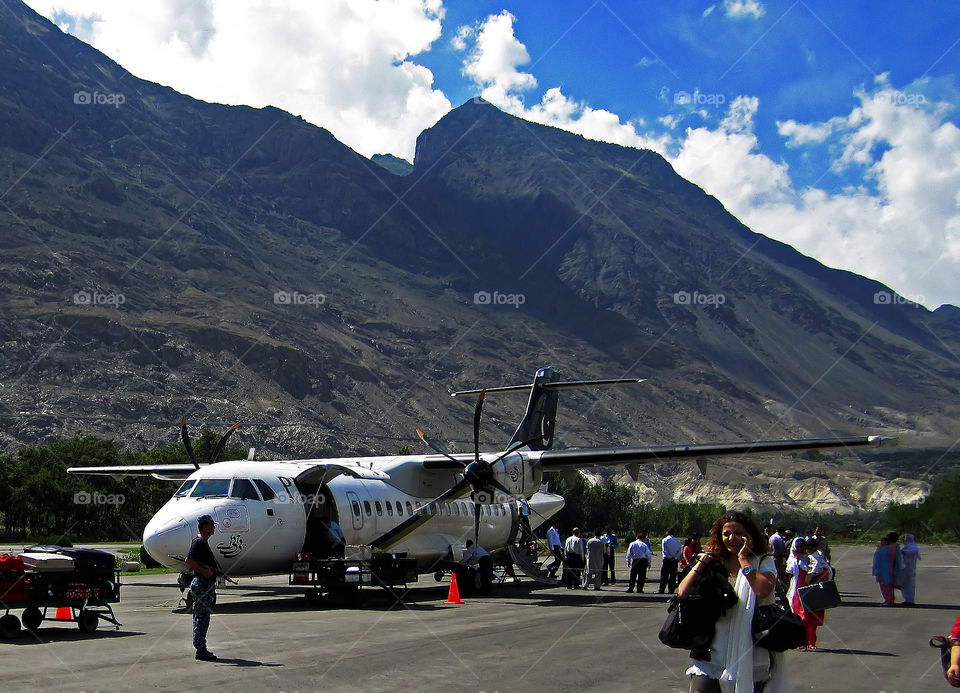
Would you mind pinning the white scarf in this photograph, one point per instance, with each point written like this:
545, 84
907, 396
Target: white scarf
738, 675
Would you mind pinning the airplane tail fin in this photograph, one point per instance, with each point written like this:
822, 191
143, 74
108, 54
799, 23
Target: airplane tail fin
536, 429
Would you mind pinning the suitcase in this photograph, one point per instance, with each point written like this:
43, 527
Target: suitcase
92, 561
10, 564
47, 562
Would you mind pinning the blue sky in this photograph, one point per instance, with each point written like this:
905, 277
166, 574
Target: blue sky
830, 126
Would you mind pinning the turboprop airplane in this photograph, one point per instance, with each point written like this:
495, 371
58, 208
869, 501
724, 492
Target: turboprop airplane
267, 512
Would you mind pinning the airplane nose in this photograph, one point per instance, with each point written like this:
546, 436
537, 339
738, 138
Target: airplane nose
170, 538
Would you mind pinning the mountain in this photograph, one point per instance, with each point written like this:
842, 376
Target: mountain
165, 256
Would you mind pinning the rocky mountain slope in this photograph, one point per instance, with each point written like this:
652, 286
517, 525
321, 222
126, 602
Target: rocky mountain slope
164, 256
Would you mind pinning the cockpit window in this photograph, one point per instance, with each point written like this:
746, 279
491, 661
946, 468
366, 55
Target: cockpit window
207, 488
185, 489
265, 490
244, 490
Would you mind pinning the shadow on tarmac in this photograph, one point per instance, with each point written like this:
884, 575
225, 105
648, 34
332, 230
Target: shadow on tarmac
861, 653
45, 636
237, 662
881, 605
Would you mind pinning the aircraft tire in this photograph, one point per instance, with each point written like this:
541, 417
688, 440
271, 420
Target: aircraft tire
314, 597
438, 576
32, 618
88, 621
9, 627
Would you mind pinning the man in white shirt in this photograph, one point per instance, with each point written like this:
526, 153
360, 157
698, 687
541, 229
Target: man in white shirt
476, 555
555, 545
639, 557
574, 554
672, 550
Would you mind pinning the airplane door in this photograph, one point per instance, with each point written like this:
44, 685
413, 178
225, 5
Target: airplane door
355, 511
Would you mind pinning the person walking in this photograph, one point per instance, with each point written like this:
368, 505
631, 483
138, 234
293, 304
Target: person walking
780, 551
734, 662
596, 549
813, 569
555, 545
610, 558
574, 553
203, 587
887, 564
638, 560
908, 580
672, 550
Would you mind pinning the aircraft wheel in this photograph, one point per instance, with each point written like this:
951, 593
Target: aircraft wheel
9, 627
438, 576
314, 597
88, 621
32, 618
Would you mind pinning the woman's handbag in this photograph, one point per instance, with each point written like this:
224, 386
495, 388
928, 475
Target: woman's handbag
822, 595
945, 643
778, 629
688, 625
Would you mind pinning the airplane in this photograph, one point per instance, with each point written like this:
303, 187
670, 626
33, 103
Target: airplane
269, 511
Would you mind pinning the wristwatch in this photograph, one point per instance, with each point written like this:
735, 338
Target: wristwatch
747, 570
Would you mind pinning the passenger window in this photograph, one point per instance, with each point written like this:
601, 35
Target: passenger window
366, 507
211, 488
456, 509
185, 489
409, 508
446, 508
433, 508
463, 506
265, 491
399, 508
379, 508
389, 509
356, 508
244, 490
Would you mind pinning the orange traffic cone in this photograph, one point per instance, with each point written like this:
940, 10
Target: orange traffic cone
453, 596
64, 614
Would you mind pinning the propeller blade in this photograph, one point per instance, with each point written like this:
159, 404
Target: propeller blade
410, 524
476, 523
222, 443
186, 441
477, 412
436, 448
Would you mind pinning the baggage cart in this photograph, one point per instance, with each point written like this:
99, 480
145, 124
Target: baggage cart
344, 577
84, 595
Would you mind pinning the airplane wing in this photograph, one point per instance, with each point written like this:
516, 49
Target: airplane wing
554, 460
167, 472
178, 472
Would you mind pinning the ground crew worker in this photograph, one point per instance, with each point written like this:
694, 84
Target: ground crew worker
202, 562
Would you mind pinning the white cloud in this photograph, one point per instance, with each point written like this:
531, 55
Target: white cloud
353, 75
739, 9
493, 61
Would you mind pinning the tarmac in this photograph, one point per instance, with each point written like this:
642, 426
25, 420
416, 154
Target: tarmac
524, 637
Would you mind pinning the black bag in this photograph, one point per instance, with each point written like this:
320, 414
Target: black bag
777, 628
819, 596
688, 625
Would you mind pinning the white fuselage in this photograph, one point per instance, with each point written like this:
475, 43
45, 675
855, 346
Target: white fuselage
267, 512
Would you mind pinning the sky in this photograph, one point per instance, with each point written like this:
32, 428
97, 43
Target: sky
830, 126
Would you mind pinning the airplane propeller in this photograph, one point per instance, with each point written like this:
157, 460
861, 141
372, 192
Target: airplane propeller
478, 475
217, 450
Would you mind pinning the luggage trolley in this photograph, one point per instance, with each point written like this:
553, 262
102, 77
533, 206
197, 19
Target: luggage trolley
83, 581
